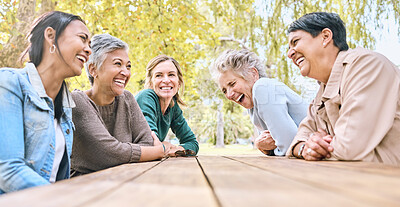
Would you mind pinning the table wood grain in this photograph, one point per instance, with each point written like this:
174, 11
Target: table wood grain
248, 180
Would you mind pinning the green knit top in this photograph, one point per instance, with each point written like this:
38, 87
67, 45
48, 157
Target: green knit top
173, 118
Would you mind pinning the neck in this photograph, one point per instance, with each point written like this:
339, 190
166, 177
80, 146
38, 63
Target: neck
164, 104
327, 65
98, 97
51, 80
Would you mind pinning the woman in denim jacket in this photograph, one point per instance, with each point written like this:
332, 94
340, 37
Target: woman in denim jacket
35, 105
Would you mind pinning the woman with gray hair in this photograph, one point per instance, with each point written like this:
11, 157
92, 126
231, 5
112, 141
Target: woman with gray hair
274, 108
110, 127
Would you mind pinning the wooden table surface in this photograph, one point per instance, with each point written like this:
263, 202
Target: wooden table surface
223, 181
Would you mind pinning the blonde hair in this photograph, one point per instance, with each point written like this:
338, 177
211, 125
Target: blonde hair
149, 74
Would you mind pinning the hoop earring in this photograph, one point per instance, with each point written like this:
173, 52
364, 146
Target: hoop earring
52, 49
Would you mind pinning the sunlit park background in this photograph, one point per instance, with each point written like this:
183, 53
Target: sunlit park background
194, 32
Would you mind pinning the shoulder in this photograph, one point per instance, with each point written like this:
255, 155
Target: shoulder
365, 55
268, 85
146, 95
361, 59
12, 77
15, 80
127, 96
79, 95
82, 101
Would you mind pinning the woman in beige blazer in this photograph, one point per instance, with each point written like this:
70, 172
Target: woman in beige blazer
356, 112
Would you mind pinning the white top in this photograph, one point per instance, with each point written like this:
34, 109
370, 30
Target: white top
278, 109
59, 151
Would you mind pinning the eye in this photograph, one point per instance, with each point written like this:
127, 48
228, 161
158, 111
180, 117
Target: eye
118, 63
83, 37
128, 66
295, 42
224, 91
172, 75
158, 75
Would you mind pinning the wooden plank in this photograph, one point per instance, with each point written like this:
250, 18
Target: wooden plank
175, 182
370, 183
238, 184
78, 190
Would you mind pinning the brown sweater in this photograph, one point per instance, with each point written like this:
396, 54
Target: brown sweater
107, 136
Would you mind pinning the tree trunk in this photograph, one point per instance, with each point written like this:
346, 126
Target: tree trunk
16, 44
47, 5
220, 126
10, 54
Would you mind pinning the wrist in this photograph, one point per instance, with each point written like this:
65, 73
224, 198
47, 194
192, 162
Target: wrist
163, 146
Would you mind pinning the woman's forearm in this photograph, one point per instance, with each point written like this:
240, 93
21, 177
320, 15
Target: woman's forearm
151, 153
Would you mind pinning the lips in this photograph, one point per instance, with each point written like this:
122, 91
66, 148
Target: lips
82, 58
239, 98
299, 61
120, 82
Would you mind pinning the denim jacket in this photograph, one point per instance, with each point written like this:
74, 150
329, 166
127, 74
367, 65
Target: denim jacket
27, 134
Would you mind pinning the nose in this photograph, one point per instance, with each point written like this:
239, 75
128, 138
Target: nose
87, 50
291, 53
166, 79
229, 94
125, 72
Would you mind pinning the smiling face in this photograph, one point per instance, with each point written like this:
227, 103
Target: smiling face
237, 89
306, 52
165, 81
114, 73
74, 45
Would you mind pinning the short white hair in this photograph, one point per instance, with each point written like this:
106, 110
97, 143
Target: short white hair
101, 45
238, 61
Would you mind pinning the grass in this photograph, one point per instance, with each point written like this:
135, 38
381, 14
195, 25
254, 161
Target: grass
234, 149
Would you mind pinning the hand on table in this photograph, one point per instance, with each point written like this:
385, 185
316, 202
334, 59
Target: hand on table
318, 147
166, 148
171, 149
265, 142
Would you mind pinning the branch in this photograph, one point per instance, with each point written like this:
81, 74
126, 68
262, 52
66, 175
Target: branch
232, 39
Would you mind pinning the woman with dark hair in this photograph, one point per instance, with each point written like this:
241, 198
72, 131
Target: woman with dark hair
110, 127
160, 101
356, 112
35, 108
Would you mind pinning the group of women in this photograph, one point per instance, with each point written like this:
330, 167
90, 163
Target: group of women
50, 134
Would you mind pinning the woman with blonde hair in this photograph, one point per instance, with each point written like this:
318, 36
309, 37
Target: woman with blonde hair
160, 101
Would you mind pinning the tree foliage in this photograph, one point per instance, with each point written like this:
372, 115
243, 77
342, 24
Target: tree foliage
194, 32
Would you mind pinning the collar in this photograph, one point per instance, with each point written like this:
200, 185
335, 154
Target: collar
37, 85
333, 85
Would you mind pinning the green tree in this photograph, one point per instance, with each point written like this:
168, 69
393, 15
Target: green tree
194, 32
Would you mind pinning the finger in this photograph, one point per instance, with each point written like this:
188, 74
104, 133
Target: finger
320, 151
325, 146
310, 154
328, 138
322, 132
312, 149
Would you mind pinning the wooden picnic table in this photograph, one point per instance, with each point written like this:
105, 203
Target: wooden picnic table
248, 180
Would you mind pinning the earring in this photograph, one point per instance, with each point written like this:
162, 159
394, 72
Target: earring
324, 44
52, 49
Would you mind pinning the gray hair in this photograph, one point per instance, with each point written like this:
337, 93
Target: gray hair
238, 61
101, 45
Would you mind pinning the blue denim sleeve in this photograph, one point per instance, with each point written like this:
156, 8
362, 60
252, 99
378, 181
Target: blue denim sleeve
15, 174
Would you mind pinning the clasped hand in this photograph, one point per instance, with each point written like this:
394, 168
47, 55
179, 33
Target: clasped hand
265, 142
318, 147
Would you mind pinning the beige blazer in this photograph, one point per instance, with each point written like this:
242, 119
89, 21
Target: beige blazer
359, 107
